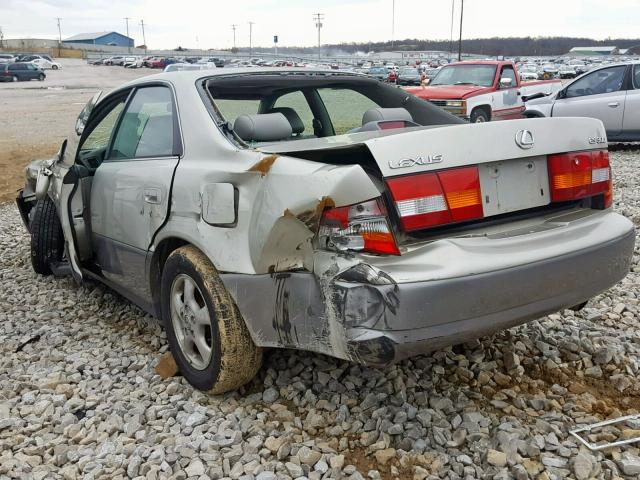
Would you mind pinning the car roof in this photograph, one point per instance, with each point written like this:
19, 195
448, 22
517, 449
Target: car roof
189, 77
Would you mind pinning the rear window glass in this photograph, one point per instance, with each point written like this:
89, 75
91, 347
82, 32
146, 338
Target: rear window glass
345, 107
232, 109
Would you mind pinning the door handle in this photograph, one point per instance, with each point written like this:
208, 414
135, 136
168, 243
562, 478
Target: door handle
152, 195
614, 104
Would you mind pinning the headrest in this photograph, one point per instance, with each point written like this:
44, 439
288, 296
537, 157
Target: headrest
266, 127
294, 119
378, 114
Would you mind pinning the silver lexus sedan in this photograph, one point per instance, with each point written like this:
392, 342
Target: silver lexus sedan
323, 211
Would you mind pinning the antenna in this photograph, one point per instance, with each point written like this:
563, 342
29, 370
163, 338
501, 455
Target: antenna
318, 17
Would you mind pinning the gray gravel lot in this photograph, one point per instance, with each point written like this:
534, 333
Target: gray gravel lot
79, 396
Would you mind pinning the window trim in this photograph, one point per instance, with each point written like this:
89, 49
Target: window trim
101, 110
177, 150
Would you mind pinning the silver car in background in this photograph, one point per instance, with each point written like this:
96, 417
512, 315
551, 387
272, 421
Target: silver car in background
610, 93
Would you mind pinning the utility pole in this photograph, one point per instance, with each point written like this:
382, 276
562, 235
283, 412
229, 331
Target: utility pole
234, 36
318, 17
460, 38
250, 40
59, 35
453, 4
126, 19
1, 38
393, 24
144, 39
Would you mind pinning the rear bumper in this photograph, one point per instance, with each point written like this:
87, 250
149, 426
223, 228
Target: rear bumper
456, 310
376, 310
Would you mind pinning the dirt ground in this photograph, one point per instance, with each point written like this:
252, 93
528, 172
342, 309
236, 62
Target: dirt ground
37, 116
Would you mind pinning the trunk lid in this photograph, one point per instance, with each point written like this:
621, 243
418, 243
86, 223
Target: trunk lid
510, 158
457, 145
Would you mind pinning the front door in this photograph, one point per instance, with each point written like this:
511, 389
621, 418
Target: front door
599, 94
131, 188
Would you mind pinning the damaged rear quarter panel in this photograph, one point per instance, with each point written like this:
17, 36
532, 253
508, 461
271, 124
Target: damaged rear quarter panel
280, 201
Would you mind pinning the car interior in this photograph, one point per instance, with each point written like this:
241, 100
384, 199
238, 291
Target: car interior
260, 108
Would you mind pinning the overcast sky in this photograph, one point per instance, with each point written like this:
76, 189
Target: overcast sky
207, 24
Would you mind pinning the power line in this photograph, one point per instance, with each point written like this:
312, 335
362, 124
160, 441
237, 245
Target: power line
250, 41
460, 38
234, 35
144, 38
453, 4
59, 35
393, 24
318, 17
126, 19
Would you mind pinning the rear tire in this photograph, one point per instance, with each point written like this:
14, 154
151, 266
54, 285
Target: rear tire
479, 116
47, 239
207, 335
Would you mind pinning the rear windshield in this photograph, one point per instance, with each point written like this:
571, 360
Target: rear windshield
316, 105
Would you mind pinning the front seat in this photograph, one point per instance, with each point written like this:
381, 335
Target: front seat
297, 126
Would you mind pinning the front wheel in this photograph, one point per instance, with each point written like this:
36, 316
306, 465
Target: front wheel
207, 335
41, 77
54, 67
479, 116
14, 78
47, 239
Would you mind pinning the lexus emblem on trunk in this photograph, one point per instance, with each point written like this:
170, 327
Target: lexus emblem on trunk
524, 139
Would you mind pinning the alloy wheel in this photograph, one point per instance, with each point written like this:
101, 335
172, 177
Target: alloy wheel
191, 321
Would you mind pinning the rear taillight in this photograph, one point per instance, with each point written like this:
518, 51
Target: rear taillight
434, 199
363, 227
578, 175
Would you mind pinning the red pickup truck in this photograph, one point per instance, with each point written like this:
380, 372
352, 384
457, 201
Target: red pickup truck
480, 91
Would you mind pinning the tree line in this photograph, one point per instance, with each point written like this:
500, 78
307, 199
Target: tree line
511, 46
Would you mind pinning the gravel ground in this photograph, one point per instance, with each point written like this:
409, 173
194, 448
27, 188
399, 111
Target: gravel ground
80, 398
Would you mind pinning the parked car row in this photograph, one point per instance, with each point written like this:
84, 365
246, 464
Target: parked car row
42, 61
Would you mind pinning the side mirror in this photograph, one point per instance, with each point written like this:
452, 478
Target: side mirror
505, 82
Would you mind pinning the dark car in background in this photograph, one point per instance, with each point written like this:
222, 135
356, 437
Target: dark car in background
408, 76
381, 73
18, 71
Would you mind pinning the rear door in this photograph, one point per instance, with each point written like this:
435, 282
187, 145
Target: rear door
32, 71
599, 94
131, 188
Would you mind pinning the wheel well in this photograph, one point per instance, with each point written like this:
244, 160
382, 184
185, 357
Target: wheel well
533, 114
160, 255
485, 108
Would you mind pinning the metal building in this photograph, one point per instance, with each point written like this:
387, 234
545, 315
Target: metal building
101, 38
